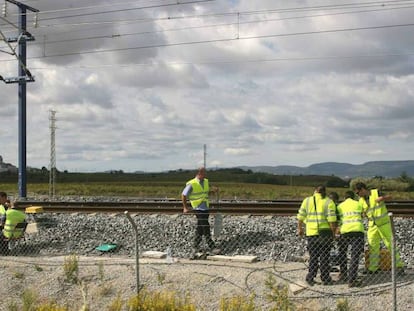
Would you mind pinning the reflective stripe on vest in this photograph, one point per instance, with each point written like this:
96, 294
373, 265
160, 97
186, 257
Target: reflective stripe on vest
350, 213
198, 194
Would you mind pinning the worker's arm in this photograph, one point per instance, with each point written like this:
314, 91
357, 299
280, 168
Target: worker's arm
300, 228
333, 226
383, 198
185, 204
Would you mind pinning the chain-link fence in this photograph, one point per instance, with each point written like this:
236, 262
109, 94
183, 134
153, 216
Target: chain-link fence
258, 254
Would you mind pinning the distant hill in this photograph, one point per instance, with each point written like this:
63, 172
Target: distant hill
388, 169
7, 167
344, 170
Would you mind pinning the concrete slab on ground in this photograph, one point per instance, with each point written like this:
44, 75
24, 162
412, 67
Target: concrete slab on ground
154, 254
237, 258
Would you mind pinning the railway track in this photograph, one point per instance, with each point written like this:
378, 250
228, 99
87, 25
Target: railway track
153, 206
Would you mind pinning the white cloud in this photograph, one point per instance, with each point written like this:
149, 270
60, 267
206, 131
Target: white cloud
237, 151
144, 95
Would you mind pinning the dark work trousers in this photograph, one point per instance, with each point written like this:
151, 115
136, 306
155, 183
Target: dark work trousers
4, 246
319, 248
203, 229
356, 241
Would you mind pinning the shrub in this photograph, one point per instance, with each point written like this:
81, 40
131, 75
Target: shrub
238, 303
71, 268
159, 301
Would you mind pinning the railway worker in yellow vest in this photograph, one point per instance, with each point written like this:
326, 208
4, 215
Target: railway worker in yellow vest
379, 225
3, 209
351, 230
197, 191
318, 212
13, 217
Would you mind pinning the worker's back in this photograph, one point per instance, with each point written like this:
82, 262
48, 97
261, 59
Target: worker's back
13, 217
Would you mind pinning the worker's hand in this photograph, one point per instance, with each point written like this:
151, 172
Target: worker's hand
337, 233
300, 231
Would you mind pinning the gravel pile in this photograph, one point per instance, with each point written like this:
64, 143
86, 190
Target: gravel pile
268, 238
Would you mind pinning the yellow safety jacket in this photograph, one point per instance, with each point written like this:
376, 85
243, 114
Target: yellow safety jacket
350, 216
377, 213
2, 215
2, 210
13, 217
317, 213
199, 194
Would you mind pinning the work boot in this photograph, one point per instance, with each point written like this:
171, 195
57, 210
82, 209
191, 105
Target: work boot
195, 253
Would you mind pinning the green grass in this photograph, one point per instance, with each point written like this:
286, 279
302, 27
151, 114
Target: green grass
233, 184
173, 190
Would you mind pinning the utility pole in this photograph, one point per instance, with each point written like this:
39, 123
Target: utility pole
205, 156
23, 77
52, 168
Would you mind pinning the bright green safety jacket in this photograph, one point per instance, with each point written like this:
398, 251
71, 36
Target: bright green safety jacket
350, 216
198, 194
317, 217
377, 213
13, 217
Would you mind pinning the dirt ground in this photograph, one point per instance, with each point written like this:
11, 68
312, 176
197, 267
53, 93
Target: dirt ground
103, 279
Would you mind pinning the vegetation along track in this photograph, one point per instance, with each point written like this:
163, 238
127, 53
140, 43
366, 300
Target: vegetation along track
160, 206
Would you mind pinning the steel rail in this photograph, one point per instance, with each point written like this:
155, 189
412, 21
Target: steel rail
168, 206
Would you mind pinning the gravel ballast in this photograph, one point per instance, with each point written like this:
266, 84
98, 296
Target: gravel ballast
268, 238
272, 239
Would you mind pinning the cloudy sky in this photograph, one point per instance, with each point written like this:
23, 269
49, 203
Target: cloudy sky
144, 85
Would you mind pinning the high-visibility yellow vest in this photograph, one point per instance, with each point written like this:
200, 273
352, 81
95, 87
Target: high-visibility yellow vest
317, 213
377, 213
13, 217
2, 215
2, 210
198, 194
350, 216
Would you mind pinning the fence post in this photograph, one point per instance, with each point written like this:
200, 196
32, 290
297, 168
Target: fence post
393, 264
134, 226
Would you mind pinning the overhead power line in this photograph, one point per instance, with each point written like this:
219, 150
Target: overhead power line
173, 3
118, 35
224, 40
382, 4
233, 61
